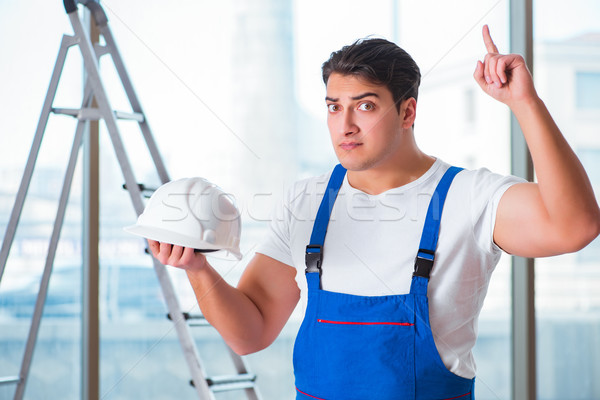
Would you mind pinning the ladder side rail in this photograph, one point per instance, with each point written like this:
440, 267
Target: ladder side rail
238, 361
91, 66
190, 350
66, 43
41, 298
135, 103
100, 50
241, 368
252, 393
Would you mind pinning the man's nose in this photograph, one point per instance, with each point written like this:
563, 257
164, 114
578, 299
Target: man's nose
348, 124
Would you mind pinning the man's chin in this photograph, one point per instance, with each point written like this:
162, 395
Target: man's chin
354, 165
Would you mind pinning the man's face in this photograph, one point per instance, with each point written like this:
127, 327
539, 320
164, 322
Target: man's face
363, 121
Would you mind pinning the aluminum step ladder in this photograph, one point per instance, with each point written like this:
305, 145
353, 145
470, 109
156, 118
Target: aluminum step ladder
94, 89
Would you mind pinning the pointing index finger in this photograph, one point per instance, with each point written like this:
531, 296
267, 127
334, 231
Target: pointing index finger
487, 39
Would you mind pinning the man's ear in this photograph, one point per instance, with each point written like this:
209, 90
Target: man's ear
408, 112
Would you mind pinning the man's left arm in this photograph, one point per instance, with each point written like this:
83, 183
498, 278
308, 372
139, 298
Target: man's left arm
559, 213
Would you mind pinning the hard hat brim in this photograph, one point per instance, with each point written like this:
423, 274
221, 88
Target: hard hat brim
175, 238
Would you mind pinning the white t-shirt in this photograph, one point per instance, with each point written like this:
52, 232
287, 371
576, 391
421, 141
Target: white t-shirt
372, 242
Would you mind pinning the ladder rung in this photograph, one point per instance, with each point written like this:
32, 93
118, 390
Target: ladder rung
225, 379
193, 319
227, 383
226, 387
6, 380
146, 191
73, 112
93, 114
130, 116
199, 323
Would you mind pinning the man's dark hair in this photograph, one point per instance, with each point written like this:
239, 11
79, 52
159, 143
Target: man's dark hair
380, 62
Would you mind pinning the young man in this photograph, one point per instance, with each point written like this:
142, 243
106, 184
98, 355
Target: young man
402, 246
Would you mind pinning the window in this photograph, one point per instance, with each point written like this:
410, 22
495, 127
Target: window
31, 41
567, 301
590, 158
587, 87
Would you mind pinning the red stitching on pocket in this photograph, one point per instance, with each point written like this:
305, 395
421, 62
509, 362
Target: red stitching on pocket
306, 394
325, 321
458, 397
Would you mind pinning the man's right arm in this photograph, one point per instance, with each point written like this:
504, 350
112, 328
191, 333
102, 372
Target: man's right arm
250, 316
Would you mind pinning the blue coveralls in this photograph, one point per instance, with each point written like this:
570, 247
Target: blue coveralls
373, 347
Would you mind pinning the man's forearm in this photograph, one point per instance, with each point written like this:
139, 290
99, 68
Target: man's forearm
228, 309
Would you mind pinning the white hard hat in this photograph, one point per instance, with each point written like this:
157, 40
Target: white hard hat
191, 212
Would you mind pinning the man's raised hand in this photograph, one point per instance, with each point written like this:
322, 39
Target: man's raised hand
505, 77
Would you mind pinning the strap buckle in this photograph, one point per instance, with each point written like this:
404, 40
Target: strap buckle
313, 258
424, 265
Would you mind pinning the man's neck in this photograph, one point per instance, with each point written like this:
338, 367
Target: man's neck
391, 175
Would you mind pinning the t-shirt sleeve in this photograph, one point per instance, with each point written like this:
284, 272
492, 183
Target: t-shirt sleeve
487, 189
276, 242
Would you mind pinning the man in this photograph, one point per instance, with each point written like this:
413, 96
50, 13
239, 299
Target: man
391, 311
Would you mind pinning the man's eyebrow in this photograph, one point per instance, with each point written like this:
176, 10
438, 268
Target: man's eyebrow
360, 96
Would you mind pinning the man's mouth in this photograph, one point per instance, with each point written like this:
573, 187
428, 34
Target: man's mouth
349, 145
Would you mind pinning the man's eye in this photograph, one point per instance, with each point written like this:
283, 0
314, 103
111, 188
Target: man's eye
333, 107
366, 107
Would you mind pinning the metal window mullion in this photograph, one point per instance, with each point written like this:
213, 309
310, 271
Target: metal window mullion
523, 269
90, 325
